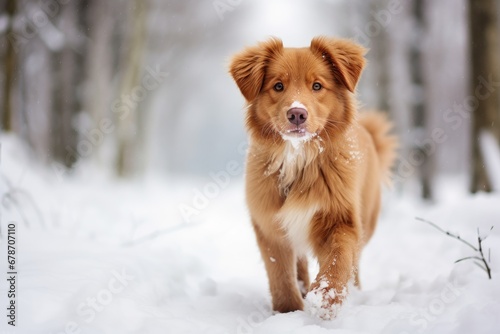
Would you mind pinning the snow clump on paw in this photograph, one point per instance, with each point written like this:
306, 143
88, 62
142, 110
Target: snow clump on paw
323, 302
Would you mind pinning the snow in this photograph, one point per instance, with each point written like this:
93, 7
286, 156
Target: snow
297, 104
491, 153
317, 301
98, 255
298, 141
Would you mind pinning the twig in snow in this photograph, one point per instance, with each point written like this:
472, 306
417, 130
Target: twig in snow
483, 264
14, 196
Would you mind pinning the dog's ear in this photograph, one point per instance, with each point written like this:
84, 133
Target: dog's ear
346, 58
248, 67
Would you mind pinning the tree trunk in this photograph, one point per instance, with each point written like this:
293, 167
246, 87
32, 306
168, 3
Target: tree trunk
99, 87
380, 49
426, 168
67, 67
485, 67
10, 69
128, 119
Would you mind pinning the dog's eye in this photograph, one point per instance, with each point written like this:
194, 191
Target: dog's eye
278, 87
317, 86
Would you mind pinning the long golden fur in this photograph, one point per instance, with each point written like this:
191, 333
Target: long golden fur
314, 166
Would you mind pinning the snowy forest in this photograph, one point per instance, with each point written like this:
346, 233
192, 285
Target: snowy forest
122, 158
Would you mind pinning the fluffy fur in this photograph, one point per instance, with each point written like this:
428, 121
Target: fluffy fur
313, 186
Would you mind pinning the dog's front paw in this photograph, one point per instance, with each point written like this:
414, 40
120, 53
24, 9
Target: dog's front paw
323, 300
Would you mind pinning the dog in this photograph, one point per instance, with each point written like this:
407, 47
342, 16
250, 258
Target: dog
314, 167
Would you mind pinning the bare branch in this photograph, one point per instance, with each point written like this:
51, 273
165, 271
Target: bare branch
479, 259
480, 242
446, 232
469, 258
479, 265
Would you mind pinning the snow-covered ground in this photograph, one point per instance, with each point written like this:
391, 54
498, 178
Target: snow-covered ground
97, 255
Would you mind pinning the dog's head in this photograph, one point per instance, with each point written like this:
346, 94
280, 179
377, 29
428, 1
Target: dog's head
298, 92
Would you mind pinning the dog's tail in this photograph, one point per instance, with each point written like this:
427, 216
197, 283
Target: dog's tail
377, 124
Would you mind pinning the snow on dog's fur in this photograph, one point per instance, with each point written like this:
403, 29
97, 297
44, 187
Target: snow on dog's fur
314, 165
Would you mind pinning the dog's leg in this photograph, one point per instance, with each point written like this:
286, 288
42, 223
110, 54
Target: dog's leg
281, 265
337, 250
303, 275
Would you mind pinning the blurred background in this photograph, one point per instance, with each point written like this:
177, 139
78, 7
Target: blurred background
140, 87
122, 149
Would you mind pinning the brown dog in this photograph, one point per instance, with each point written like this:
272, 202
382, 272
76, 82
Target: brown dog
314, 167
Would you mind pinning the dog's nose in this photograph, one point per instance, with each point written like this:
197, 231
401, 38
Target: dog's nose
296, 116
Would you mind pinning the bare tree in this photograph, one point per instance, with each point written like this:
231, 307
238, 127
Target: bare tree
128, 120
485, 67
67, 66
426, 168
99, 69
9, 68
380, 49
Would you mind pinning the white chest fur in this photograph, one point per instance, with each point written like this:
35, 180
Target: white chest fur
296, 223
292, 159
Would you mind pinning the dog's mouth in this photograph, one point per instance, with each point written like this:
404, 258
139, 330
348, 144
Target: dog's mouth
296, 132
297, 135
